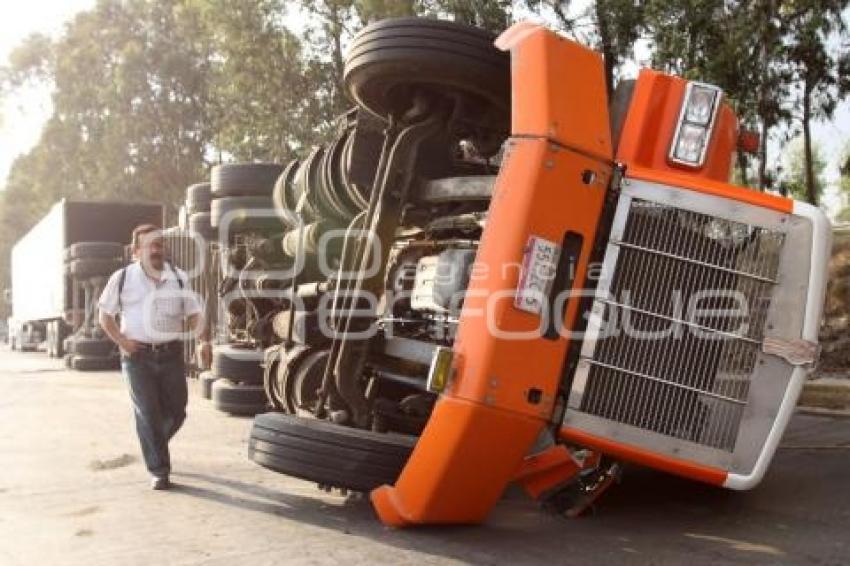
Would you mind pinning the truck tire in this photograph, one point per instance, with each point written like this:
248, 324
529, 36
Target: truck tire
389, 58
229, 362
244, 218
94, 363
96, 250
91, 347
93, 267
238, 398
198, 198
207, 379
244, 179
199, 223
328, 454
283, 194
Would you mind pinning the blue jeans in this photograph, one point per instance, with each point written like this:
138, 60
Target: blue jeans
158, 390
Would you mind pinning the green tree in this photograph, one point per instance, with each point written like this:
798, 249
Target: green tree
333, 24
263, 102
770, 75
130, 120
610, 26
844, 184
493, 15
821, 74
794, 179
130, 78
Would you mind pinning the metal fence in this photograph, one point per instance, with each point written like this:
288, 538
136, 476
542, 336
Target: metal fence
197, 257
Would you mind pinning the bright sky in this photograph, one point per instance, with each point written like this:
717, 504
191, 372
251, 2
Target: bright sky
23, 117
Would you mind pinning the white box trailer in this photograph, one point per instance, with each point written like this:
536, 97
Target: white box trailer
42, 293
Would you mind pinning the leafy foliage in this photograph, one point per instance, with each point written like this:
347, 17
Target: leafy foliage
793, 182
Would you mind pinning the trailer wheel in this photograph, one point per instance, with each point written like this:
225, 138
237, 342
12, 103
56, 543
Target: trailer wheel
238, 398
198, 198
244, 179
93, 267
94, 363
93, 250
91, 347
239, 365
328, 454
243, 215
390, 59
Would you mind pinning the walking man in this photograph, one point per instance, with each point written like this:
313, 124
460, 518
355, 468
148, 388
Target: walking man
153, 304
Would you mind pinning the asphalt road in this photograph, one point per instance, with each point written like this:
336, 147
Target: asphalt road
73, 491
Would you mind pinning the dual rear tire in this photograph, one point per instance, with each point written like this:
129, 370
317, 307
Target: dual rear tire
238, 398
242, 198
327, 453
91, 354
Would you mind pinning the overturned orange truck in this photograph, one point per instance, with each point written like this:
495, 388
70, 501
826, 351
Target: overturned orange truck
619, 300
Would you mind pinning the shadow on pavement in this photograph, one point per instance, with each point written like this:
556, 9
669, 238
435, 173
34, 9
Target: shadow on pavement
799, 513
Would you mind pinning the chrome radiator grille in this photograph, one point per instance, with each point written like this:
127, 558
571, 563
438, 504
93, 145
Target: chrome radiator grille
679, 322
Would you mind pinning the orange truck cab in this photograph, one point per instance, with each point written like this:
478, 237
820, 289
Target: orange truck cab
621, 301
535, 357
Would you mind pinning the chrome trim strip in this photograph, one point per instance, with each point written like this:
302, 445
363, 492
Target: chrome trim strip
693, 261
655, 379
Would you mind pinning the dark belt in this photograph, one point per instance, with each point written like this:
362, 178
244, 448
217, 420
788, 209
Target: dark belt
161, 347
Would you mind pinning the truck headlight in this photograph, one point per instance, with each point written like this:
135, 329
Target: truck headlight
696, 120
690, 144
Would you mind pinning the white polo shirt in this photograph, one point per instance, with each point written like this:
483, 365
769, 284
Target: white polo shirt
151, 311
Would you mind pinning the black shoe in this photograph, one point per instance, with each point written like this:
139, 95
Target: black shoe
159, 483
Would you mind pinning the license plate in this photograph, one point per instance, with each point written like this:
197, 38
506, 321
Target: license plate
539, 264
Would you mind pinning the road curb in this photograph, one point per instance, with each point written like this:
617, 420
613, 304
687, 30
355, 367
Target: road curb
826, 393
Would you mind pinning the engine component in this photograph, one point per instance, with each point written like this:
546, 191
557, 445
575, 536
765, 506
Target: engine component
441, 280
473, 188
